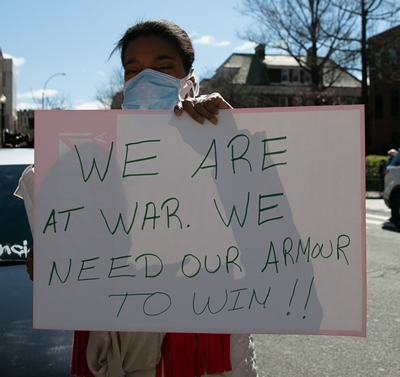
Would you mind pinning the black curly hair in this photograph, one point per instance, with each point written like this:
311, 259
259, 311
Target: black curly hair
163, 29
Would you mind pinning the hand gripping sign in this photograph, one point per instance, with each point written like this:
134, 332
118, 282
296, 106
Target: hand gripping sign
145, 221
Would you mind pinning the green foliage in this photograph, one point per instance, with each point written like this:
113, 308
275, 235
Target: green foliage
373, 160
372, 171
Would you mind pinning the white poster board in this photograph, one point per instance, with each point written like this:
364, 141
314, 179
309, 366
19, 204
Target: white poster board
145, 221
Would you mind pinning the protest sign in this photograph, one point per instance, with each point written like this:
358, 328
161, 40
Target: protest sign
145, 221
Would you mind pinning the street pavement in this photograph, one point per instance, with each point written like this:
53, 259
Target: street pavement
377, 213
376, 355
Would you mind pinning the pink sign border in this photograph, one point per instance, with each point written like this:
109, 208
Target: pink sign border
360, 108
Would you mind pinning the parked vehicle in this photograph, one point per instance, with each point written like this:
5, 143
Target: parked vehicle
24, 351
15, 234
391, 194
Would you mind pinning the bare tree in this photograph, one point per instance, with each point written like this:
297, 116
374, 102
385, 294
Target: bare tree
313, 32
110, 95
367, 14
58, 101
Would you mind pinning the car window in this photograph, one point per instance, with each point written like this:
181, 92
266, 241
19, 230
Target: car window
15, 234
396, 160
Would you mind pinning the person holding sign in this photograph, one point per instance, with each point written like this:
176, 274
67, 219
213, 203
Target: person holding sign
157, 57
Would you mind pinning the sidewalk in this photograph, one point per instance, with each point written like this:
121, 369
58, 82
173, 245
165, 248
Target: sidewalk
372, 195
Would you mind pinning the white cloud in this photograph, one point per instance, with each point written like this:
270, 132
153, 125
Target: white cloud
35, 96
194, 34
211, 41
93, 105
17, 61
246, 47
26, 106
38, 94
116, 87
100, 73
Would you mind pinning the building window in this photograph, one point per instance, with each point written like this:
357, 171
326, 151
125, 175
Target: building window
296, 75
378, 107
285, 75
275, 75
378, 58
394, 103
306, 77
392, 56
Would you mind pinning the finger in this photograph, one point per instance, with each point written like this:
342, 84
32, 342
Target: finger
208, 106
211, 105
203, 111
223, 105
189, 106
178, 108
220, 102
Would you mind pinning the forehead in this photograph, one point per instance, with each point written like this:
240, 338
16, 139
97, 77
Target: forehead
150, 48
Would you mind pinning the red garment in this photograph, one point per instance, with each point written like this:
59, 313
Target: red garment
183, 355
194, 355
79, 366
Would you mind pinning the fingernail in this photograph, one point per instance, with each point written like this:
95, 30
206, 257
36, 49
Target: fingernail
213, 121
200, 120
178, 111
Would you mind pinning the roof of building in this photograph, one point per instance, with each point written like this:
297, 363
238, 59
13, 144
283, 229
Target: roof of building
386, 34
250, 69
244, 69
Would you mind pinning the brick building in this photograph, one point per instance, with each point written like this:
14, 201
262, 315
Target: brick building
8, 96
384, 58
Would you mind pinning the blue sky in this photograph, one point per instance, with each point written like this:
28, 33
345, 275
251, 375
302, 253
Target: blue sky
76, 37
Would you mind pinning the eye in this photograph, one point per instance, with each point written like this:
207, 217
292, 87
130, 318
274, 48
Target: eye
131, 72
165, 67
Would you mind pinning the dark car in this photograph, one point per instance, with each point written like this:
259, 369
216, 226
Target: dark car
24, 351
15, 234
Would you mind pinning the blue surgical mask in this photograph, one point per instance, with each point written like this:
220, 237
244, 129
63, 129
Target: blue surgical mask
153, 90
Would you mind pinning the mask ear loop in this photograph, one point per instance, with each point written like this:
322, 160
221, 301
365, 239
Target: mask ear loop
189, 84
196, 86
